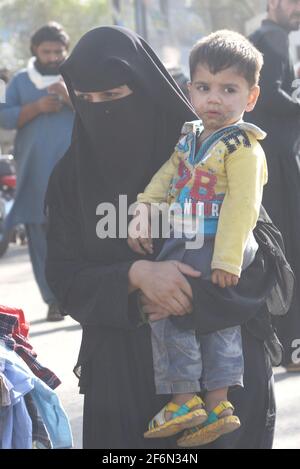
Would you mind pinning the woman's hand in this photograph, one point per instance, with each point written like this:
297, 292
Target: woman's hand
154, 311
224, 279
164, 284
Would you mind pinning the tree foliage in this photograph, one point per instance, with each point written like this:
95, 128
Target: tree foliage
229, 14
20, 18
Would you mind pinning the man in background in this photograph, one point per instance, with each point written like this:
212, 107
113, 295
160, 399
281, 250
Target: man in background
278, 113
38, 106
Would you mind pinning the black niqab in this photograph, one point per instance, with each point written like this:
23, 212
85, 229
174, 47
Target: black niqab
121, 142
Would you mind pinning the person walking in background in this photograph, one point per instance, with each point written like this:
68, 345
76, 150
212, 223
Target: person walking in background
278, 113
38, 106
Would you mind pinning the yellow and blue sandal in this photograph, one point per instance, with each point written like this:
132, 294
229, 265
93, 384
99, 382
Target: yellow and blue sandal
183, 417
214, 427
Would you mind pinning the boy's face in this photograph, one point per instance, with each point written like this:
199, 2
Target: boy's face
221, 99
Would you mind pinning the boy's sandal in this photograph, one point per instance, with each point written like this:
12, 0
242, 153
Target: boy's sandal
183, 417
214, 427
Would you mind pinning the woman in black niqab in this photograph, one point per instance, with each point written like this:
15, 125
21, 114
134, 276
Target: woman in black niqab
116, 148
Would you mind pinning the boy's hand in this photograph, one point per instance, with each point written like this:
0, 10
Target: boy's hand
224, 279
143, 243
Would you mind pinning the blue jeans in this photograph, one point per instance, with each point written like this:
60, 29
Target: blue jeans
184, 362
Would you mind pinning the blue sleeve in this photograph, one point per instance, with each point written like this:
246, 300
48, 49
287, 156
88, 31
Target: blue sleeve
10, 110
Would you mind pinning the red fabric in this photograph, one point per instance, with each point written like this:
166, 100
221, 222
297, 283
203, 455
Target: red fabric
23, 327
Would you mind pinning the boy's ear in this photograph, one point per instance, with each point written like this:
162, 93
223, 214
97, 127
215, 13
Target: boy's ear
189, 87
253, 97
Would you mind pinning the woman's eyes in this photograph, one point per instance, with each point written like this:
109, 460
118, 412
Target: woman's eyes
104, 97
110, 95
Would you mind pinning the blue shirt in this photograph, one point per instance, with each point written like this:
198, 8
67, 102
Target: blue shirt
46, 401
15, 422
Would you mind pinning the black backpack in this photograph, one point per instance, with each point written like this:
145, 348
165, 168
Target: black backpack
280, 296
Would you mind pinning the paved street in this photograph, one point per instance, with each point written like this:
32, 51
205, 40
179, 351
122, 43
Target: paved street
57, 346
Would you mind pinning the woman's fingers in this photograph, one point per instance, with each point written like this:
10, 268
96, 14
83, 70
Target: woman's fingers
155, 309
164, 284
175, 307
143, 299
184, 285
155, 317
187, 269
184, 303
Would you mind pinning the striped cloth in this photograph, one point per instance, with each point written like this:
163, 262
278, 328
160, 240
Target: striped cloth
9, 325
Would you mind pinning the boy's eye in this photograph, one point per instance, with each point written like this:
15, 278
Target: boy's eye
202, 88
230, 90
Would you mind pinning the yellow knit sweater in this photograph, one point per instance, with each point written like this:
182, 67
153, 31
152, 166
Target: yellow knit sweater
227, 175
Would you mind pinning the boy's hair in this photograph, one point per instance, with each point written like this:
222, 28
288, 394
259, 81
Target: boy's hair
224, 49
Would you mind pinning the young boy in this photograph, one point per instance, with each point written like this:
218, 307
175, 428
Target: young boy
217, 162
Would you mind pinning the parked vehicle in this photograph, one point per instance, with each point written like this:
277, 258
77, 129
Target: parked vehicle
8, 181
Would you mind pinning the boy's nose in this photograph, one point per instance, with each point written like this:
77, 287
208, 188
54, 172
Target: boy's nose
214, 99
